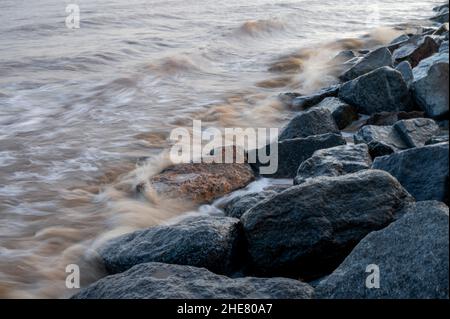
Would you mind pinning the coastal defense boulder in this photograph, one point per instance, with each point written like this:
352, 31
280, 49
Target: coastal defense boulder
390, 118
334, 161
240, 204
343, 113
208, 242
163, 281
406, 70
430, 86
307, 230
292, 152
306, 101
422, 171
416, 132
381, 90
410, 255
373, 60
382, 140
415, 51
199, 183
315, 121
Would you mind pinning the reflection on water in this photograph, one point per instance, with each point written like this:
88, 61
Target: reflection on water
85, 114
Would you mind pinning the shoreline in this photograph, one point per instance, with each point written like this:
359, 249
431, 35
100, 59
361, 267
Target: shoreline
249, 260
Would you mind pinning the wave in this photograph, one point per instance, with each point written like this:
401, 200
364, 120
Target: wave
255, 28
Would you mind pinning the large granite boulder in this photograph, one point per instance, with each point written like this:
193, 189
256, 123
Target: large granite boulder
430, 86
390, 118
306, 101
415, 51
291, 153
343, 113
406, 70
416, 132
163, 281
381, 90
422, 171
411, 256
382, 140
307, 230
373, 60
209, 242
335, 161
240, 204
314, 121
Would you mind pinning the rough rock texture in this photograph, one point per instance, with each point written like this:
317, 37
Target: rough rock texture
415, 51
373, 60
303, 102
441, 138
343, 113
406, 70
381, 90
291, 153
307, 230
384, 137
200, 183
239, 205
430, 86
444, 47
441, 17
390, 118
416, 132
412, 256
163, 281
315, 121
209, 242
334, 161
422, 171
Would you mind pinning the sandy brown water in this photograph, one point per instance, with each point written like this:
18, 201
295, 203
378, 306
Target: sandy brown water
85, 114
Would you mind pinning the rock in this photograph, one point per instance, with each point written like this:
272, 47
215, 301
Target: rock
304, 102
163, 281
343, 114
405, 69
441, 8
400, 39
381, 90
287, 98
411, 255
444, 47
382, 140
442, 138
422, 171
239, 205
442, 29
343, 56
307, 230
416, 132
335, 161
315, 121
208, 242
200, 183
374, 60
291, 153
390, 118
430, 86
414, 52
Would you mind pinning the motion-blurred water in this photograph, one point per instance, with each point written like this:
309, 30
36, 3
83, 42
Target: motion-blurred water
80, 109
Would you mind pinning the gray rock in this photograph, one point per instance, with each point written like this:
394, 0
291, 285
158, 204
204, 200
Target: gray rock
390, 118
304, 102
416, 132
307, 230
374, 60
400, 39
335, 161
239, 205
444, 47
411, 255
415, 51
381, 90
443, 28
422, 171
343, 113
343, 56
405, 69
163, 281
209, 242
442, 17
315, 121
441, 8
291, 153
380, 136
430, 86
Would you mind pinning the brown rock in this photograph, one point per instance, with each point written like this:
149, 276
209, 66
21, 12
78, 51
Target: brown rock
415, 51
200, 183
